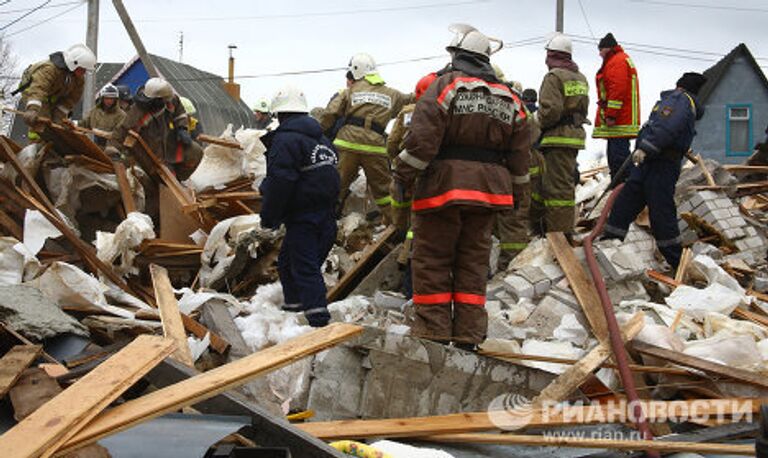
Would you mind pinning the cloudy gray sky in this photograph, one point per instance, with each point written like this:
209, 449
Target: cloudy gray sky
297, 35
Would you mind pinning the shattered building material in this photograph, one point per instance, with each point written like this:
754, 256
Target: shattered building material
25, 309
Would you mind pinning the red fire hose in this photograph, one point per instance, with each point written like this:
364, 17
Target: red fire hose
614, 333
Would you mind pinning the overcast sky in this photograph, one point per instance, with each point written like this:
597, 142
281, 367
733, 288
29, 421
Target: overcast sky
295, 35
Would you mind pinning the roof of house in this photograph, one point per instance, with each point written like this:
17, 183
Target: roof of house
716, 72
215, 107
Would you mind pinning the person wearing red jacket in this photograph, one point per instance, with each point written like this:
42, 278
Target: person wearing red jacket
618, 103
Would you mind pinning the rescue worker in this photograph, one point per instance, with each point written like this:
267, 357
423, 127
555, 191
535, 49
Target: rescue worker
618, 103
158, 116
263, 115
465, 158
51, 88
106, 115
300, 191
661, 144
366, 106
126, 99
563, 105
537, 210
194, 126
401, 211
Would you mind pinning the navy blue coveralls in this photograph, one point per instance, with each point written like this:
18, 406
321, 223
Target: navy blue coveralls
665, 138
300, 190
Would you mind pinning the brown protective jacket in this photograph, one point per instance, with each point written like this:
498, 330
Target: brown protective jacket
563, 106
52, 87
106, 119
157, 128
469, 141
396, 140
368, 102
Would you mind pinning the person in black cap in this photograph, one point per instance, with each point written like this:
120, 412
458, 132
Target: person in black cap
660, 147
618, 103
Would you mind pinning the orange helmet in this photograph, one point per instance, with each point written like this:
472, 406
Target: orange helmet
423, 84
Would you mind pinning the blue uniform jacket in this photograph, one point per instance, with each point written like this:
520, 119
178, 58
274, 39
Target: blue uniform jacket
301, 172
670, 128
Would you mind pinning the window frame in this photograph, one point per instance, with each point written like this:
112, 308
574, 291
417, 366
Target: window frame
750, 133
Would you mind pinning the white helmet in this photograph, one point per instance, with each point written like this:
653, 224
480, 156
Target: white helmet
108, 91
290, 99
470, 39
361, 64
79, 56
559, 42
189, 107
262, 105
158, 88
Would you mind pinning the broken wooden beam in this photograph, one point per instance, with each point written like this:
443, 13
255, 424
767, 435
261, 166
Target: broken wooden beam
13, 363
211, 383
44, 431
170, 317
344, 284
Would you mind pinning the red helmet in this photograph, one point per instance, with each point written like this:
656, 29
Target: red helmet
423, 84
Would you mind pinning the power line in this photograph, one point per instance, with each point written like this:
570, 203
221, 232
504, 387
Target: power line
584, 13
25, 15
45, 20
21, 10
698, 5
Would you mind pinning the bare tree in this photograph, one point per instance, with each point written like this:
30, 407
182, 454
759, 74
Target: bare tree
8, 81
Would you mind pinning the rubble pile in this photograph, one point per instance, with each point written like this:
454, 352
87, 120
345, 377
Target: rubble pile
89, 295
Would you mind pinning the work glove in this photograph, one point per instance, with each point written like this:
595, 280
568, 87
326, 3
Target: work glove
638, 156
31, 115
113, 153
400, 213
182, 135
58, 116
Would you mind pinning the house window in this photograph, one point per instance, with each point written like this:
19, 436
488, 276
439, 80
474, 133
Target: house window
739, 130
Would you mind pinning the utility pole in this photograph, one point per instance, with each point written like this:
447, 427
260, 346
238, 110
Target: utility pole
559, 19
181, 46
135, 38
92, 41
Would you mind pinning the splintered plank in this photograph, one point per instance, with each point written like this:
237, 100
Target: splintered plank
173, 327
211, 383
581, 284
526, 417
55, 422
125, 188
559, 389
14, 363
709, 367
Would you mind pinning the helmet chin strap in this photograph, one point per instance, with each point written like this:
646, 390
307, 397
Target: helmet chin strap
499, 43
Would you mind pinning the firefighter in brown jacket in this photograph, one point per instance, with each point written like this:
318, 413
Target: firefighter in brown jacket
51, 88
366, 107
467, 152
563, 105
106, 115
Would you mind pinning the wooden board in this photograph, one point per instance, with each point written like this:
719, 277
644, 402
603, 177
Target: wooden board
45, 430
336, 292
587, 442
570, 380
211, 383
7, 151
533, 418
11, 225
173, 327
709, 367
75, 142
581, 284
14, 363
219, 141
175, 225
125, 188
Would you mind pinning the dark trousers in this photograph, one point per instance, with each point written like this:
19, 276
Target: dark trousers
618, 152
308, 240
651, 184
451, 247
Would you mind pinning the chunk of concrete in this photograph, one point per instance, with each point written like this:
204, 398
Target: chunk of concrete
26, 310
519, 287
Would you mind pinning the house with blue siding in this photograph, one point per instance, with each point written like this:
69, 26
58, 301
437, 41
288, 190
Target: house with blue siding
735, 100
